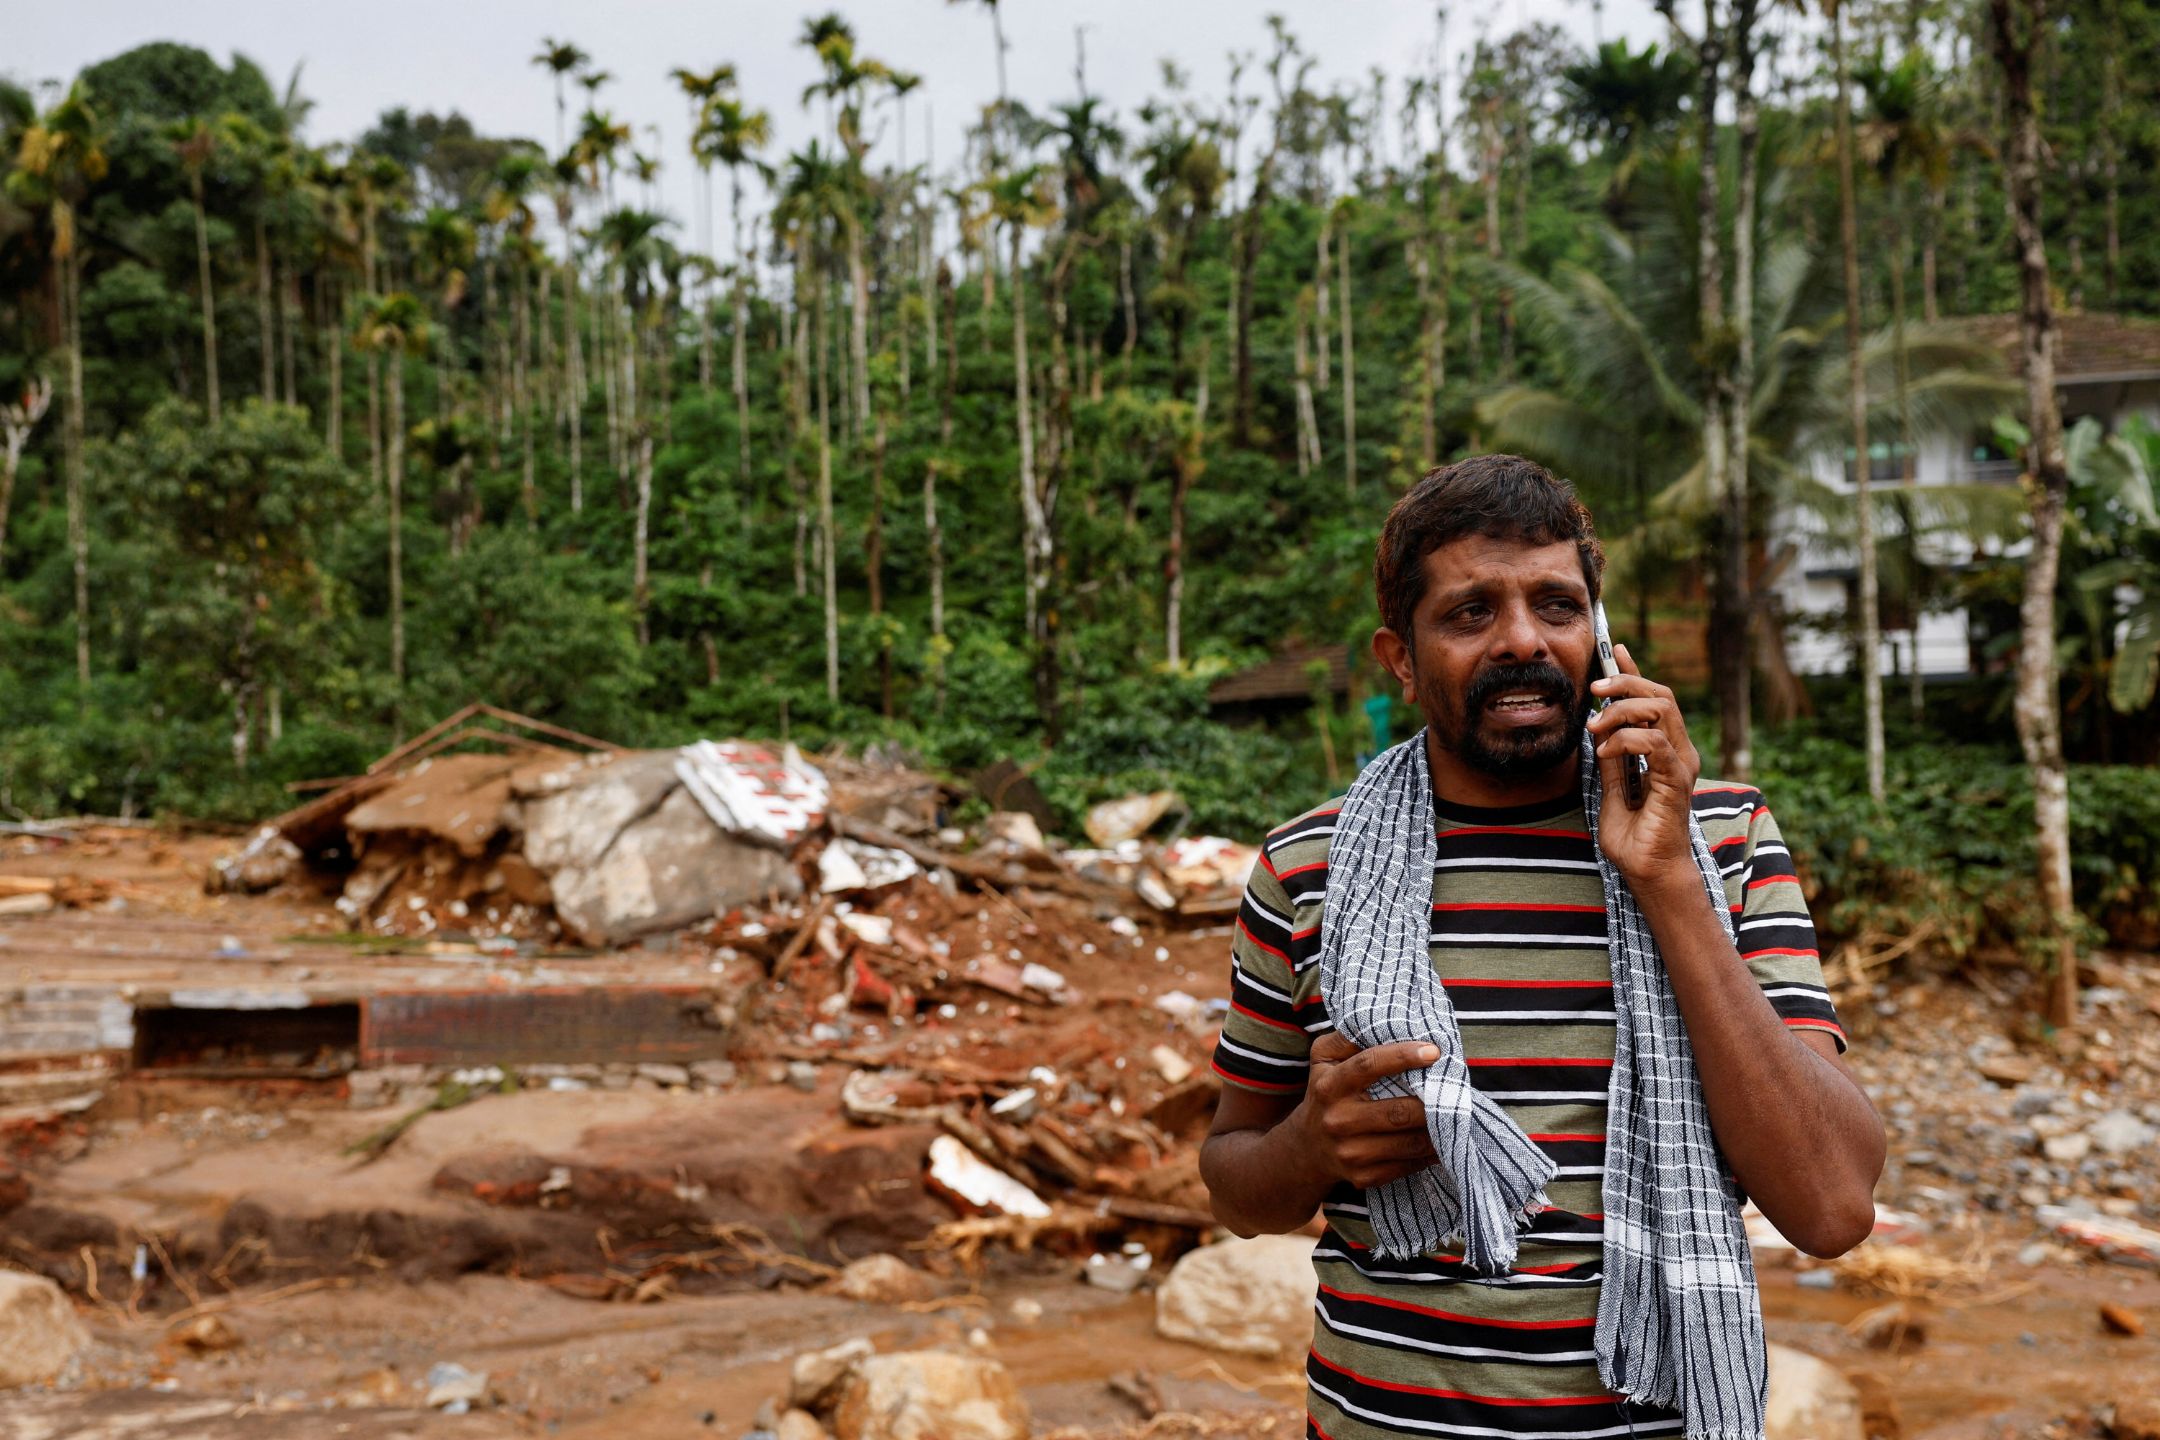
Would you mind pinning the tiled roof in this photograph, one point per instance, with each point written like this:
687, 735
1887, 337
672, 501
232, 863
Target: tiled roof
2088, 345
1283, 678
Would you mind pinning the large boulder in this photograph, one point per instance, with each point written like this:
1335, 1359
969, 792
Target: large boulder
929, 1395
1809, 1400
39, 1333
628, 851
1252, 1297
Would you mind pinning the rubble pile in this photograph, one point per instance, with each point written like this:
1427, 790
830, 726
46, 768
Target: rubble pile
1984, 1113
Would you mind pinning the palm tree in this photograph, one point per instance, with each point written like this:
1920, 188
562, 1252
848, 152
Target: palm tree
846, 76
633, 243
701, 89
560, 58
732, 133
1848, 229
1003, 118
1020, 199
195, 143
1626, 410
396, 326
59, 158
815, 203
509, 205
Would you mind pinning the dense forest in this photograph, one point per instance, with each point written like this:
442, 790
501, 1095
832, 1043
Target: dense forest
309, 441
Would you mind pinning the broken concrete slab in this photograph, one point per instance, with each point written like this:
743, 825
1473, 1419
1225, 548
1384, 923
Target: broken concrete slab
668, 869
39, 1333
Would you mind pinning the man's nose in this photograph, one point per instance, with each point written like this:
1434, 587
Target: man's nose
1517, 636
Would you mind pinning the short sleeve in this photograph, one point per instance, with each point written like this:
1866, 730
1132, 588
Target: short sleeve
1775, 935
1274, 996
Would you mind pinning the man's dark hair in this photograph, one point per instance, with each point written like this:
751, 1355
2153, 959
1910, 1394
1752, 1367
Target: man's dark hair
1502, 496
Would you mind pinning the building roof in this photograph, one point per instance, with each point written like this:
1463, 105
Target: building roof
1283, 677
2089, 346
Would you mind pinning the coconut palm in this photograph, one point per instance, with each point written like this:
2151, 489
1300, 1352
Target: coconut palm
732, 133
395, 326
59, 160
1625, 412
195, 142
815, 205
701, 88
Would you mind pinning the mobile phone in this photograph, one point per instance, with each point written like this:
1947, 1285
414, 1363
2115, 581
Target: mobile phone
1634, 767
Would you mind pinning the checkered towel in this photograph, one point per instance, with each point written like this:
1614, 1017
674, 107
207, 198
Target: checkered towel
1679, 1322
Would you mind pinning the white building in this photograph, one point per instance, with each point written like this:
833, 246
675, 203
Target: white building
2107, 366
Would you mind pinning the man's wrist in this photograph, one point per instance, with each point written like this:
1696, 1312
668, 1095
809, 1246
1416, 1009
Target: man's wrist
1670, 890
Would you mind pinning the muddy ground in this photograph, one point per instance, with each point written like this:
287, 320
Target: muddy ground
628, 1256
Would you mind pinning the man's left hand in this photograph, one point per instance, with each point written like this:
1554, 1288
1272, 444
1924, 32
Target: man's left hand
1651, 844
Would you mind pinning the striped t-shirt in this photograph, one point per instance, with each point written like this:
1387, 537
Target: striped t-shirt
1426, 1347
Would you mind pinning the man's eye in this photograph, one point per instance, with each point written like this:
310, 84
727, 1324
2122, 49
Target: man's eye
1562, 608
1469, 615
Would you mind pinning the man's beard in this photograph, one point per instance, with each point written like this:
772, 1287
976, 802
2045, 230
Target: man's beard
1516, 753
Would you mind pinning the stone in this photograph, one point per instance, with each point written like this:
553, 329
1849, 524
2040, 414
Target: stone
39, 1333
799, 1425
2121, 1320
713, 1074
815, 1375
1250, 1297
1809, 1400
452, 1386
2067, 1149
2136, 1418
2119, 1132
206, 1333
930, 1395
2012, 1069
1898, 1327
664, 1074
882, 1280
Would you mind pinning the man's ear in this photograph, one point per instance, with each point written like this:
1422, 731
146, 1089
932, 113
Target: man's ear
1394, 655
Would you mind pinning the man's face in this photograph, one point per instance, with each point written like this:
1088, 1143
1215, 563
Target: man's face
1500, 654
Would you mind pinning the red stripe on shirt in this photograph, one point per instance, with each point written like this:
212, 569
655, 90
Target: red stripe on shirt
1773, 880
1256, 1015
1465, 1319
1783, 950
1290, 1089
1278, 954
1402, 1389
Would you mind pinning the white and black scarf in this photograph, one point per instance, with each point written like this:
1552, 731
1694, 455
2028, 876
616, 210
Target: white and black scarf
1679, 1322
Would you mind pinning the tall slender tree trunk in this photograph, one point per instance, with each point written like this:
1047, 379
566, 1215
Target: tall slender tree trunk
829, 540
738, 362
574, 396
875, 561
1857, 402
1728, 629
1130, 305
263, 307
1308, 439
798, 413
1323, 263
288, 321
71, 438
1349, 367
396, 483
1736, 589
1186, 461
522, 388
374, 421
859, 334
209, 299
334, 402
2016, 31
1035, 526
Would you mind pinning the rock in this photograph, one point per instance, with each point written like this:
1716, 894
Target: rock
453, 1387
802, 1075
628, 850
2119, 1132
2067, 1149
2137, 1418
713, 1074
883, 1280
2012, 1069
1897, 1327
930, 1395
1251, 1297
820, 1372
1809, 1400
39, 1333
2121, 1320
1173, 1067
664, 1074
1015, 829
799, 1425
206, 1333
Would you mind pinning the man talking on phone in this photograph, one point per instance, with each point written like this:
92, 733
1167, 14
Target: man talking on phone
1524, 1046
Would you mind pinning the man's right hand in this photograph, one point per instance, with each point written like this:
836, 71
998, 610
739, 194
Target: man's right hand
1349, 1136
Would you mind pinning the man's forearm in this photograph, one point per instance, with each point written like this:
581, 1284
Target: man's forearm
1801, 1137
1261, 1182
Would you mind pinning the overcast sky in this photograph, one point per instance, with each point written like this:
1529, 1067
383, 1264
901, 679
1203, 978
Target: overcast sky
475, 55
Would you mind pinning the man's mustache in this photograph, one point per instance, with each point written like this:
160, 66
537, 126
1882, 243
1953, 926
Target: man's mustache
1540, 677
